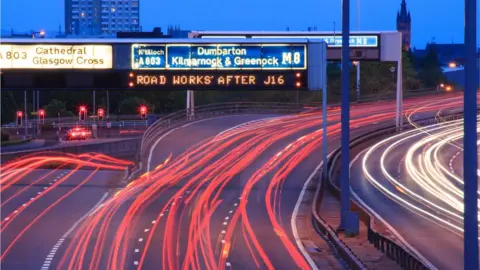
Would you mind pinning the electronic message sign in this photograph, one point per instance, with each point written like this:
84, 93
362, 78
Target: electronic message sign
219, 56
54, 56
219, 80
356, 41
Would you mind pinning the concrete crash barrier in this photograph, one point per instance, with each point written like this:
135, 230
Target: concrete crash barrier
124, 148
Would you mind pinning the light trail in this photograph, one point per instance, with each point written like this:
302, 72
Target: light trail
427, 187
184, 196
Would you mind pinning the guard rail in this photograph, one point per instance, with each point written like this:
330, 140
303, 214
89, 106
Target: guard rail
400, 254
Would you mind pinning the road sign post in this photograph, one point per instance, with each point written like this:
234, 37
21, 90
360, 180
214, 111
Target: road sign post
399, 109
470, 140
25, 113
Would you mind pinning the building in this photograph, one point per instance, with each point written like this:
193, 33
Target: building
404, 25
96, 17
176, 32
156, 33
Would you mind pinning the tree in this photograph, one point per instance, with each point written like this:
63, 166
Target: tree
10, 106
431, 73
130, 105
410, 75
55, 107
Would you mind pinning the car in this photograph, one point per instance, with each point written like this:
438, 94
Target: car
78, 133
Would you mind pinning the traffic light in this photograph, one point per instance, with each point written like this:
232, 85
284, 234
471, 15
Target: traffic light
143, 112
100, 114
41, 116
19, 118
82, 115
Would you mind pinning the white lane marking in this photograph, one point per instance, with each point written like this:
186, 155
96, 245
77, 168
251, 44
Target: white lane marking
226, 218
140, 239
228, 264
150, 154
223, 241
54, 250
137, 250
240, 126
223, 231
135, 262
397, 235
225, 223
153, 222
149, 160
293, 220
146, 230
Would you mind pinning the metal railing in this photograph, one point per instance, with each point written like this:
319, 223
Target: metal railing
125, 123
215, 110
398, 253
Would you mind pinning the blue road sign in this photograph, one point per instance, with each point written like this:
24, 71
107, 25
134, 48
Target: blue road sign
219, 56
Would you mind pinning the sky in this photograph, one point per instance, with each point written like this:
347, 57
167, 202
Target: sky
432, 20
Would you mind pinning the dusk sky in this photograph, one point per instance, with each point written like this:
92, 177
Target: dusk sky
441, 20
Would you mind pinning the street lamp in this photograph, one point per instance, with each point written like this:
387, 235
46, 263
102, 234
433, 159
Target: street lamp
442, 85
452, 65
40, 33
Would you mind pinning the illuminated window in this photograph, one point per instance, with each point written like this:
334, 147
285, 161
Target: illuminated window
113, 9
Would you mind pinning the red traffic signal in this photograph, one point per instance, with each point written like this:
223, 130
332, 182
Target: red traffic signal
41, 115
143, 111
19, 118
100, 113
82, 114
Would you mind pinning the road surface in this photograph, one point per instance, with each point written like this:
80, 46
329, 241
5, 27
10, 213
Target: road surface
219, 194
414, 181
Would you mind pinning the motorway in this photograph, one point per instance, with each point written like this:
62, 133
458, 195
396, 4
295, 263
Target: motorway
219, 194
414, 181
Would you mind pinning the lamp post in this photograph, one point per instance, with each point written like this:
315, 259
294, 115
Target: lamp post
348, 220
470, 147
